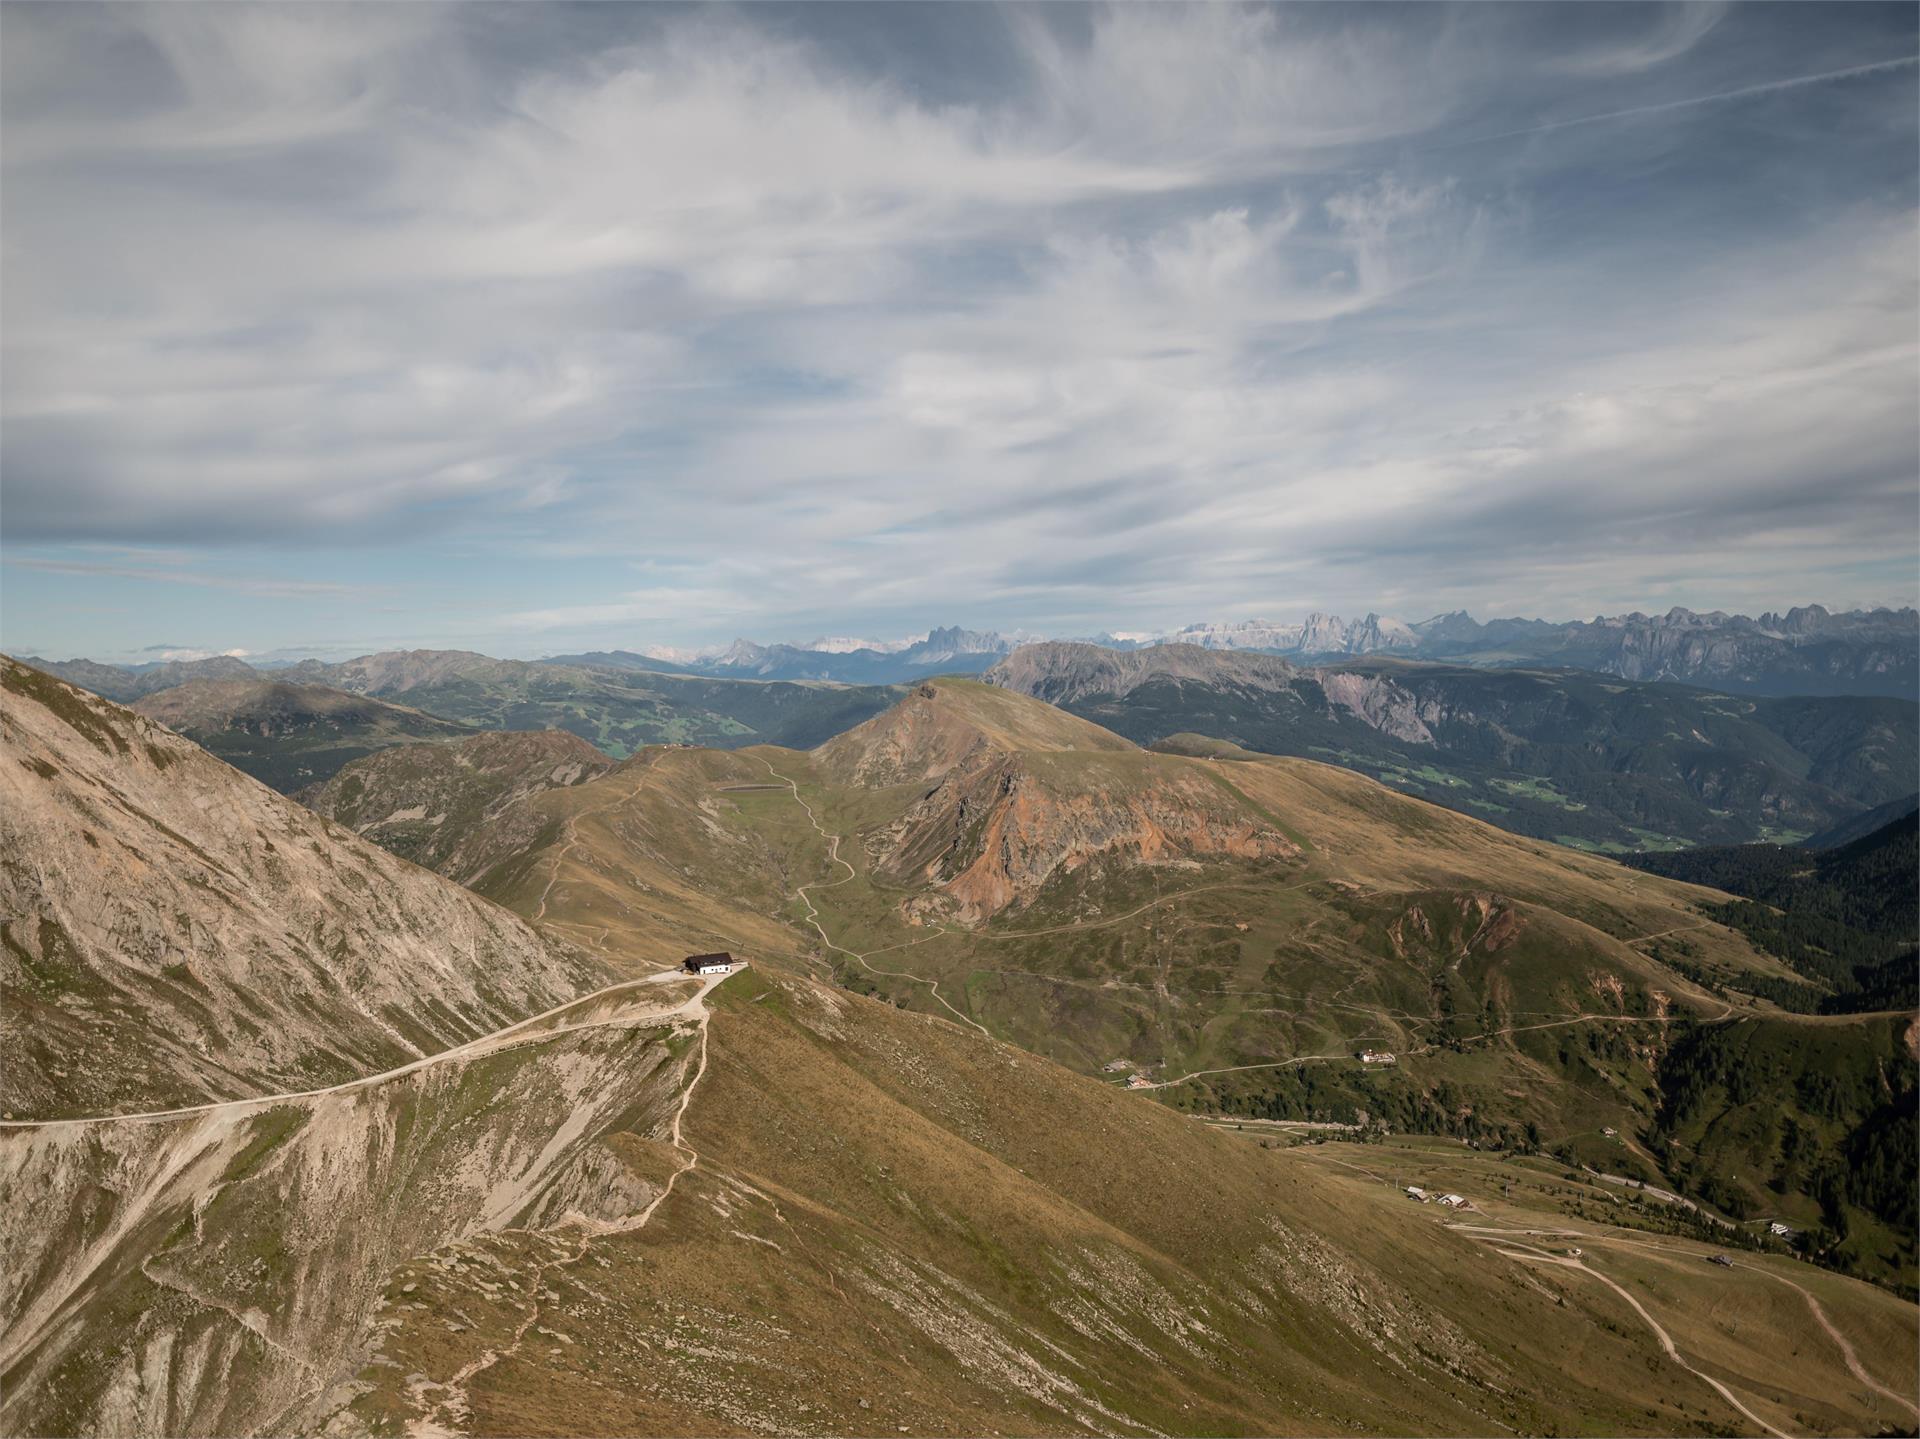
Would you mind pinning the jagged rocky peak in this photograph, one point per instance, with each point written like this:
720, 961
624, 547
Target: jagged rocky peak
944, 643
1319, 633
741, 652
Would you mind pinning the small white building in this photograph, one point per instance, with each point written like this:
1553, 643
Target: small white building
1779, 1230
1453, 1201
1414, 1191
721, 963
1139, 1081
1377, 1056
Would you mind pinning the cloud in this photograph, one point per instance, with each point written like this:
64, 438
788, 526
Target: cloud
1167, 308
1675, 30
1743, 92
188, 652
259, 586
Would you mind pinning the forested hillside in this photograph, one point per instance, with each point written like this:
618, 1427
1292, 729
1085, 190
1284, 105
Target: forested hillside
1847, 919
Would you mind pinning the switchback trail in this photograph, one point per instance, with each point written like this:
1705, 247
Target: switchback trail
1505, 1237
453, 1412
813, 914
1503, 1242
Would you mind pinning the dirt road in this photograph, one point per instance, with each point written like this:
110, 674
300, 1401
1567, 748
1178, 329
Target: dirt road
521, 1031
1504, 1242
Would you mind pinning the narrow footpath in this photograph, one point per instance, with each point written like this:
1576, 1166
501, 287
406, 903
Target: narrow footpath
813, 914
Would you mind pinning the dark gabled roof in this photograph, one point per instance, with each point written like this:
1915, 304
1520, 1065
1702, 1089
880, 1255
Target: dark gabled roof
722, 957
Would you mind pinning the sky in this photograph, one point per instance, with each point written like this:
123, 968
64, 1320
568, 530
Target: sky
533, 329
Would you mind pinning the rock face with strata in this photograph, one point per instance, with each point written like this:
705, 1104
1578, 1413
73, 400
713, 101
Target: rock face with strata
1021, 794
1060, 672
1383, 705
996, 832
175, 932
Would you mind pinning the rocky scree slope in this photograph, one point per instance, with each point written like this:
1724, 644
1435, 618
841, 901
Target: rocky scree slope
226, 1271
174, 932
998, 828
1022, 793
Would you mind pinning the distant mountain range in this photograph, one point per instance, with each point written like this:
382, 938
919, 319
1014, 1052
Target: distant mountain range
951, 650
126, 683
1555, 753
1450, 731
288, 735
1806, 651
296, 726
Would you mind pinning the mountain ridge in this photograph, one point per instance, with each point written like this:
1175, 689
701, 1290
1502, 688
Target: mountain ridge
1560, 754
287, 734
226, 938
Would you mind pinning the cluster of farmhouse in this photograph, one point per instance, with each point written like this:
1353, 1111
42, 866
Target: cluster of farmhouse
1137, 1076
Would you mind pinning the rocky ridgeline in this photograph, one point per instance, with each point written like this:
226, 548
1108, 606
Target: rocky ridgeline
176, 932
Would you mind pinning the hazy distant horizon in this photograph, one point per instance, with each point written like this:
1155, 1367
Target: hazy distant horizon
333, 651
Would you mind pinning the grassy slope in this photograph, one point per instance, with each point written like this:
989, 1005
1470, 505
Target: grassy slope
432, 804
287, 736
1552, 1035
898, 1226
1518, 981
622, 711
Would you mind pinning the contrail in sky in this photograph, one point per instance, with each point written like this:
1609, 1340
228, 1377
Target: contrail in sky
1767, 88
